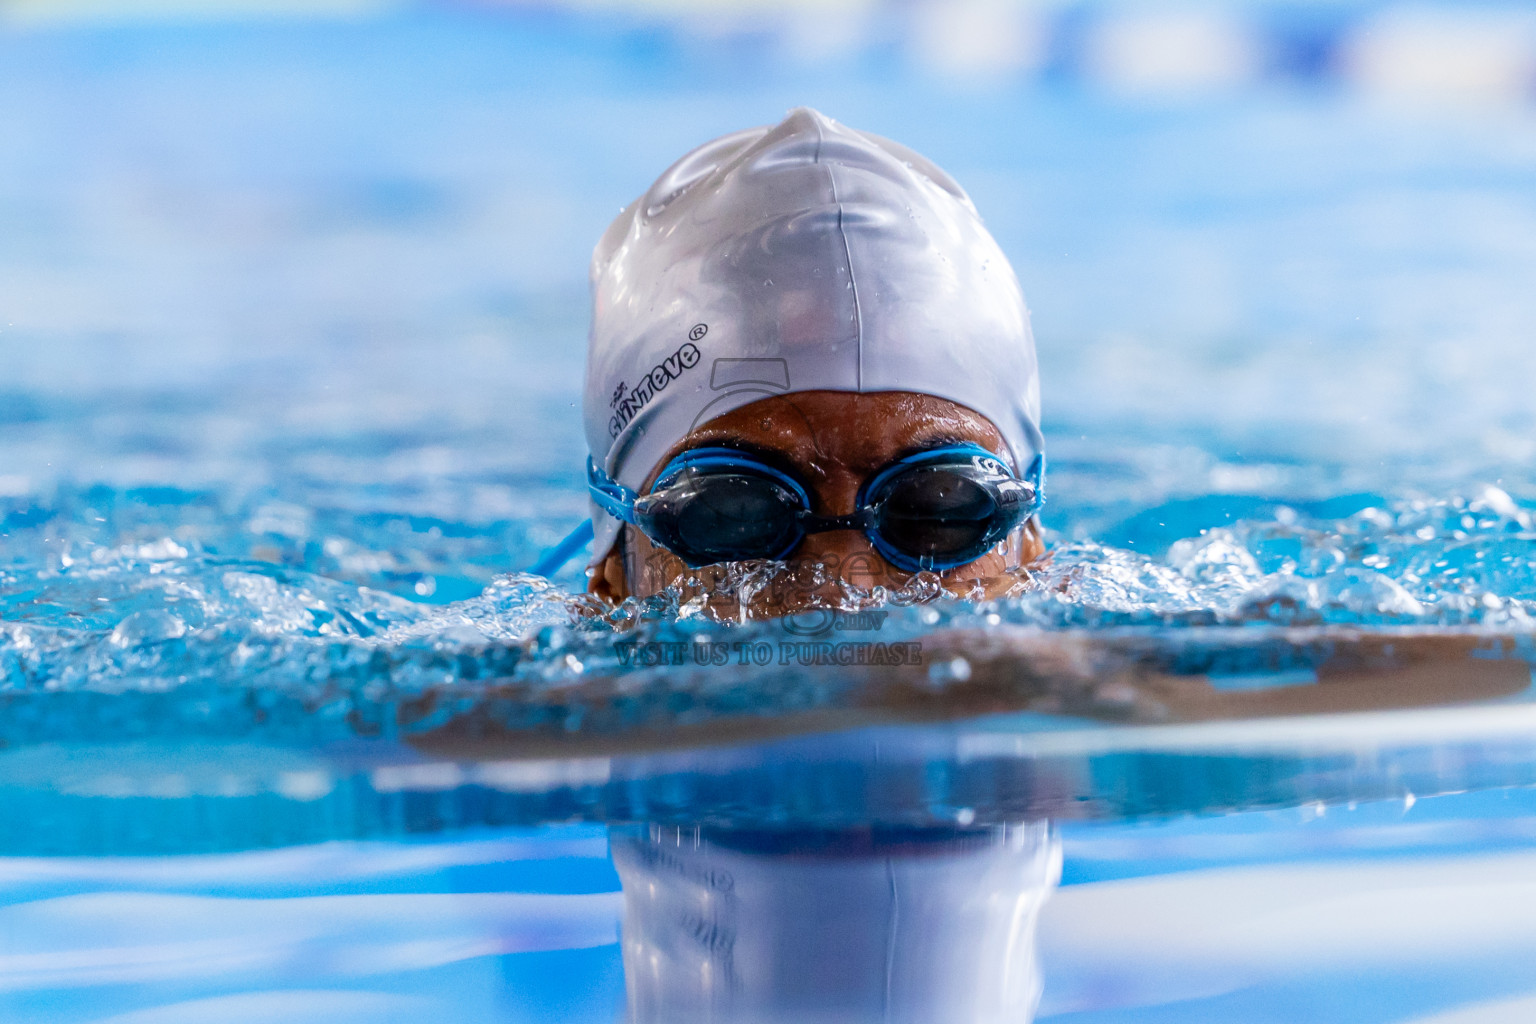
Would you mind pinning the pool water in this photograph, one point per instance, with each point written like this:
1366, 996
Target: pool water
1377, 912
292, 316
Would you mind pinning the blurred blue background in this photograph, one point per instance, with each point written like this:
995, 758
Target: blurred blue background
292, 318
322, 266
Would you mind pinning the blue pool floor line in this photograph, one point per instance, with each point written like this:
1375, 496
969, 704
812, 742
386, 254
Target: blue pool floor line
551, 561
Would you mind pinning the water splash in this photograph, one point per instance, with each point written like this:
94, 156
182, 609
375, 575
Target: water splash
146, 612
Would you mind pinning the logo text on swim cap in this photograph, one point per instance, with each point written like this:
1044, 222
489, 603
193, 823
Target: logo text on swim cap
628, 401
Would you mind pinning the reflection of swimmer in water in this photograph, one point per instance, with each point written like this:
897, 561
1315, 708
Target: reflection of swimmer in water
805, 346
897, 926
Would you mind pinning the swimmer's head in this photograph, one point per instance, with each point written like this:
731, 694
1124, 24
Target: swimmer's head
824, 301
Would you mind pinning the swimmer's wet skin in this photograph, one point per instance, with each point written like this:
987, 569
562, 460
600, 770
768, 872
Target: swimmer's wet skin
826, 304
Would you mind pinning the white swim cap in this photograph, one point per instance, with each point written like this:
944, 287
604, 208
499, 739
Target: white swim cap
805, 256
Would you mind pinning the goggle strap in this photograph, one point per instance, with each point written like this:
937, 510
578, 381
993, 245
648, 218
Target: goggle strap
553, 560
1035, 476
610, 495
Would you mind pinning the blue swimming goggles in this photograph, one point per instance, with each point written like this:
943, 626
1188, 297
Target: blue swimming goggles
936, 509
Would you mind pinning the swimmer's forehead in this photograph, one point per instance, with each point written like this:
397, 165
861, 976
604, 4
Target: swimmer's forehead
857, 432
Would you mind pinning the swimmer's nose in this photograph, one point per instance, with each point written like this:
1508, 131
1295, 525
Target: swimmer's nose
847, 553
850, 556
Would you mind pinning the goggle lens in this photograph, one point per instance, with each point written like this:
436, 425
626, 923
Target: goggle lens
715, 516
933, 514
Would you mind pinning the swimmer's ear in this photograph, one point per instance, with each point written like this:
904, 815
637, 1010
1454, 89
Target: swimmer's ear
609, 581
